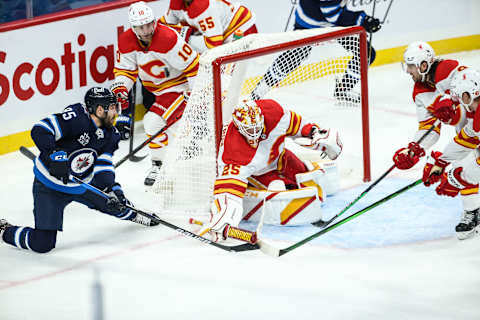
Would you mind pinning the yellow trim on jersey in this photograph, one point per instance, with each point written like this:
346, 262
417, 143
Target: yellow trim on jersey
295, 121
131, 74
462, 138
212, 42
234, 24
229, 190
165, 85
256, 184
188, 70
231, 181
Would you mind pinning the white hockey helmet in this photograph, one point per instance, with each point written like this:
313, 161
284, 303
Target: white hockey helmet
140, 14
466, 81
418, 52
248, 119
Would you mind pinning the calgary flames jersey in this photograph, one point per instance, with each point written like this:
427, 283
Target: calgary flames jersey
237, 160
165, 65
216, 20
426, 95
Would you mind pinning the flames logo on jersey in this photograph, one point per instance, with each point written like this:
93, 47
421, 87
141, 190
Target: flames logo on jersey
156, 69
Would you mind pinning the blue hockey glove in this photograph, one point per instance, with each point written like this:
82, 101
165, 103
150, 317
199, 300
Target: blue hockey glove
123, 125
59, 167
117, 200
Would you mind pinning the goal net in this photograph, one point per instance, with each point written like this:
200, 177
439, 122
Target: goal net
318, 73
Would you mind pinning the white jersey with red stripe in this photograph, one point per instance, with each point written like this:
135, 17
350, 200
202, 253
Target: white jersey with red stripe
237, 160
167, 64
215, 20
425, 95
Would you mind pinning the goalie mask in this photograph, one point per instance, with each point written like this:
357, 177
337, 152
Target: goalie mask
466, 81
142, 20
416, 53
248, 119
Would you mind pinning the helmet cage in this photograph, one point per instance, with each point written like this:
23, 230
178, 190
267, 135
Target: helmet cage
466, 81
417, 53
248, 119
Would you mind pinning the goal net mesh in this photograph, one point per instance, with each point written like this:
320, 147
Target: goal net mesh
303, 70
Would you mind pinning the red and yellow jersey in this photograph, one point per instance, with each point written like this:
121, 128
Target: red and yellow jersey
425, 95
165, 65
214, 20
237, 160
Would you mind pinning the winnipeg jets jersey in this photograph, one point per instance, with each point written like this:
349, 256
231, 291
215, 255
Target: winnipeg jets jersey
215, 20
426, 94
165, 65
88, 147
326, 13
237, 160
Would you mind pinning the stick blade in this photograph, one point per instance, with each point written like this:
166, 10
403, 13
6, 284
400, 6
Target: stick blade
268, 249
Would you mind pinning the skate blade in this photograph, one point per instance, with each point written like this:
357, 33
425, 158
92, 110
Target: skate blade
467, 234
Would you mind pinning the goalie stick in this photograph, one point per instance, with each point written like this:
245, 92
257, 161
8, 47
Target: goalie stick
275, 252
322, 223
237, 248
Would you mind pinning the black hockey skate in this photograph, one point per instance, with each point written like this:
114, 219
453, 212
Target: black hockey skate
3, 226
467, 227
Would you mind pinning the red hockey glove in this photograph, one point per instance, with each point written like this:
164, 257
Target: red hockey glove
405, 158
433, 169
444, 109
452, 183
121, 92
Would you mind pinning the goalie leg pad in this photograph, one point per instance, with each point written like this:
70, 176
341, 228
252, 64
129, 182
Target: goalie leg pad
291, 207
324, 175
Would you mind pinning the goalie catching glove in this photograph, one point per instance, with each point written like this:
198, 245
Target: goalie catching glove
327, 141
434, 168
405, 158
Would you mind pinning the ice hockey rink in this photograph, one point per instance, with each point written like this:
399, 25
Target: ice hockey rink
400, 260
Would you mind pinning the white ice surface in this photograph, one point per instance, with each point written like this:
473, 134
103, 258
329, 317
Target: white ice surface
400, 260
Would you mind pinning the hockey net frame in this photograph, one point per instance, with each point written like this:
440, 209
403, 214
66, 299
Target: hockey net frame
215, 61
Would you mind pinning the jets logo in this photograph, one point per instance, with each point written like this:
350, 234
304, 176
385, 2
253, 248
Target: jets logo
82, 162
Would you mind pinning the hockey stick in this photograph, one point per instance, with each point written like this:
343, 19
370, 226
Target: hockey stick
371, 34
294, 3
237, 248
386, 12
370, 187
133, 157
272, 251
143, 144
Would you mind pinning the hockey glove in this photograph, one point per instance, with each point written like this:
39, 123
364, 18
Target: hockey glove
327, 142
123, 125
434, 168
371, 24
58, 166
116, 200
121, 92
445, 110
452, 183
405, 158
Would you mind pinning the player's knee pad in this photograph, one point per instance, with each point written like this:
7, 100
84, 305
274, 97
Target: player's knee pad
153, 122
42, 241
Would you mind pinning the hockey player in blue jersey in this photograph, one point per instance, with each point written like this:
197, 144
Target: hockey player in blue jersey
319, 14
80, 142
